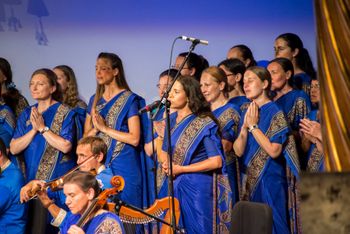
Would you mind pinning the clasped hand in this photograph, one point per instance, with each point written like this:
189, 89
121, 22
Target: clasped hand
36, 119
98, 121
177, 169
252, 115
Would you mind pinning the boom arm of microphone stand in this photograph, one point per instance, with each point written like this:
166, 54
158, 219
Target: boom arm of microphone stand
164, 99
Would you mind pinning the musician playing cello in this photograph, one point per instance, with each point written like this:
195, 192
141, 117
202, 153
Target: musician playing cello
81, 188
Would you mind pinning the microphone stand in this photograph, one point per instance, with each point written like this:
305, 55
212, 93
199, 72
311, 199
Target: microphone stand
163, 102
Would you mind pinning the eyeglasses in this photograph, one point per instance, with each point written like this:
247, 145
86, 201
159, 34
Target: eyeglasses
230, 74
315, 86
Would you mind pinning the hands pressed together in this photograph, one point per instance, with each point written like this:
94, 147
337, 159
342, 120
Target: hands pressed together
252, 115
36, 120
311, 130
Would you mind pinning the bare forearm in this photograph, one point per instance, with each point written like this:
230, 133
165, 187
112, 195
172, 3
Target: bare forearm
57, 142
241, 142
274, 150
19, 144
206, 165
126, 137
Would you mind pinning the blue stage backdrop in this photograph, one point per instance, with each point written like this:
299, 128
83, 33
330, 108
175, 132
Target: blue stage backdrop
46, 33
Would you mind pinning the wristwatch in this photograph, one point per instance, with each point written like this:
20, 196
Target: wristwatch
45, 129
252, 127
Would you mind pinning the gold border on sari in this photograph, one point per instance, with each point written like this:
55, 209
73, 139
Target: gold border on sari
50, 155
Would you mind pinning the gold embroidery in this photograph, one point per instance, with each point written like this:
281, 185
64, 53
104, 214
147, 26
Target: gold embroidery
81, 104
224, 199
184, 142
227, 116
315, 160
8, 117
22, 104
299, 109
244, 106
111, 121
109, 225
50, 155
258, 161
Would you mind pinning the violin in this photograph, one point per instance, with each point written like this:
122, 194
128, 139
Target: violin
57, 184
101, 200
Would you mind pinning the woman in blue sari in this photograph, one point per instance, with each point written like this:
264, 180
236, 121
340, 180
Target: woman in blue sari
82, 190
295, 103
44, 133
215, 90
290, 46
311, 133
68, 83
268, 153
113, 115
234, 70
197, 155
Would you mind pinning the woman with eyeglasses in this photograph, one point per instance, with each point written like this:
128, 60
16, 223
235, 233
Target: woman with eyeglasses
112, 114
234, 70
165, 80
310, 129
290, 46
269, 161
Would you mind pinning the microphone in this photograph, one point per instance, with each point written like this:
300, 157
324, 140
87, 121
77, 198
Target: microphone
194, 40
149, 107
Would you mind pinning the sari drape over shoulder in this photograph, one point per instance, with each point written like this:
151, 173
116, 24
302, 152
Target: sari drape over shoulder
80, 116
195, 139
122, 158
229, 118
302, 81
268, 180
42, 161
296, 105
241, 101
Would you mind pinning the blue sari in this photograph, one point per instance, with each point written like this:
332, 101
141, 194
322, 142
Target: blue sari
80, 116
296, 105
302, 81
195, 139
122, 158
103, 223
241, 101
42, 161
315, 159
272, 181
229, 117
7, 124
